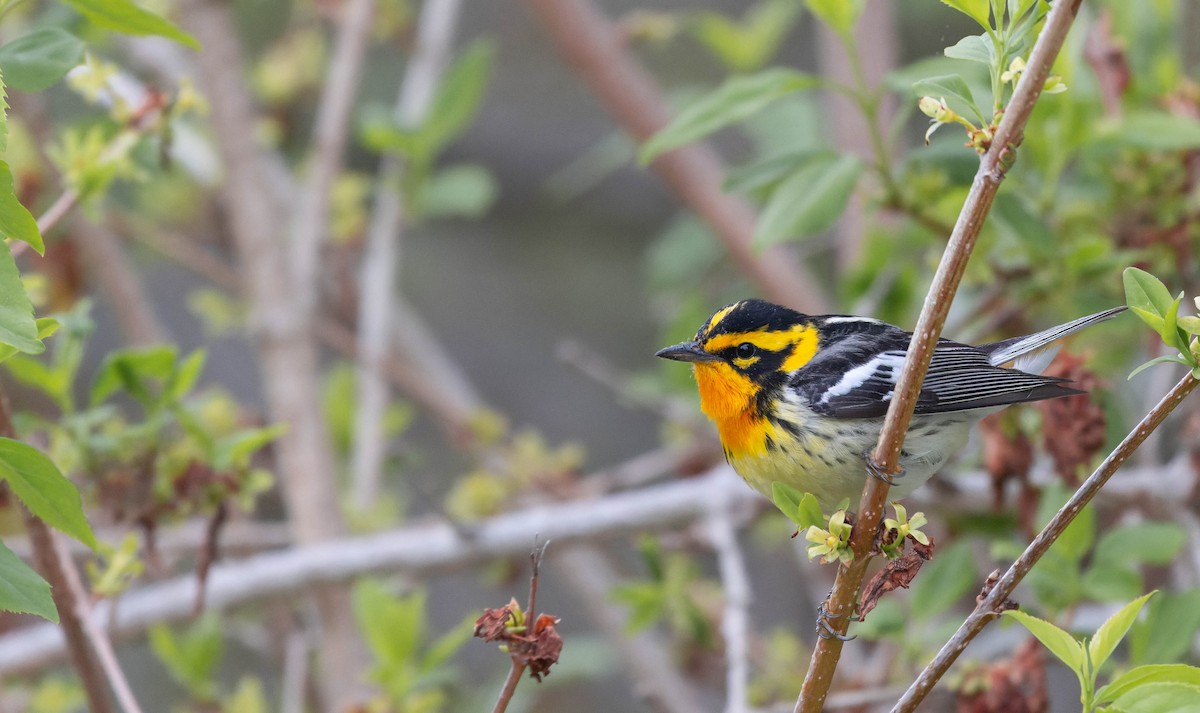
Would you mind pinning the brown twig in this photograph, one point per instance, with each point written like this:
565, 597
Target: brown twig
595, 47
988, 609
992, 168
519, 664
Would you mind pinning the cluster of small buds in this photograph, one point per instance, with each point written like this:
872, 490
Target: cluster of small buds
941, 114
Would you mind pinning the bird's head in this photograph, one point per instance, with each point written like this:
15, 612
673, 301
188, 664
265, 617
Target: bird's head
743, 350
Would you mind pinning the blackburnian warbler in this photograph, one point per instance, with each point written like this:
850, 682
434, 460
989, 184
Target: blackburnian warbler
800, 399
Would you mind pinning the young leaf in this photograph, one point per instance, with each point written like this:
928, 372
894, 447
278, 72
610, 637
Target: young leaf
22, 590
458, 96
1160, 698
1060, 643
1148, 542
130, 370
974, 48
747, 45
841, 15
1166, 633
1135, 678
1145, 293
16, 222
977, 10
1113, 630
808, 202
800, 508
125, 16
735, 100
45, 327
951, 87
1164, 359
36, 61
43, 489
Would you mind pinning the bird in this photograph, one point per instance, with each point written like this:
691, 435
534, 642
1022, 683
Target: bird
801, 399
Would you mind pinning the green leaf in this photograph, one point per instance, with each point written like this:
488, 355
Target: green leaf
464, 190
1172, 358
1113, 630
954, 89
459, 95
131, 369
393, 626
1160, 698
800, 508
841, 15
17, 325
1190, 324
759, 178
1148, 542
126, 17
45, 327
977, 10
16, 222
1080, 535
1109, 582
809, 201
1060, 643
191, 655
235, 449
747, 45
735, 100
1166, 633
944, 581
22, 590
1135, 678
36, 61
1152, 130
447, 644
183, 379
973, 48
43, 489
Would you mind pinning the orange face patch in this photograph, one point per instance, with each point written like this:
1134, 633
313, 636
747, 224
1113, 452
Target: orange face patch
727, 397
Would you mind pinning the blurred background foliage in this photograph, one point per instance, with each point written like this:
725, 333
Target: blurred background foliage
546, 264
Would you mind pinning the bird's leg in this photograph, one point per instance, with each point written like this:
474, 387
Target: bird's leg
825, 628
877, 471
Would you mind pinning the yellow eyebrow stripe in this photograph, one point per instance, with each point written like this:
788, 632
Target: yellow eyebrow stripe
803, 336
718, 316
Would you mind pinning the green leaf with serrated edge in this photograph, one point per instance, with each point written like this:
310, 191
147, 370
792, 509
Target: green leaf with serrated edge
977, 10
43, 489
1110, 633
16, 222
944, 580
810, 201
735, 100
17, 326
1143, 542
1167, 697
39, 59
1060, 643
1134, 678
126, 17
840, 15
45, 327
1145, 293
951, 87
974, 48
22, 590
1170, 358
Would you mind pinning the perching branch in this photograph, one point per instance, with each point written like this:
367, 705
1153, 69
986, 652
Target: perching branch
989, 608
992, 167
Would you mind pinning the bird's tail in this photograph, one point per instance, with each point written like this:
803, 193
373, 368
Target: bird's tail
1033, 346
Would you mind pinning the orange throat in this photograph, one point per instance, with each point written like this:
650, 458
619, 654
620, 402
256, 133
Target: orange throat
729, 399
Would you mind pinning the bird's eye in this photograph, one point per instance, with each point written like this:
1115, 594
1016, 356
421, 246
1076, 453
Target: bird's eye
745, 350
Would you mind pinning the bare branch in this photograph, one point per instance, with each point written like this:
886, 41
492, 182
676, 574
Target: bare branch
735, 622
419, 549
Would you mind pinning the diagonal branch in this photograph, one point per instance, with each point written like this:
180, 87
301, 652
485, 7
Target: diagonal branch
594, 46
992, 168
987, 609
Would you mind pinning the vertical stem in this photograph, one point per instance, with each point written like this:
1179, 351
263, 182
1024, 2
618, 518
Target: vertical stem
992, 168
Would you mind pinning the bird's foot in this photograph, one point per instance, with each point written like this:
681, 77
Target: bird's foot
877, 471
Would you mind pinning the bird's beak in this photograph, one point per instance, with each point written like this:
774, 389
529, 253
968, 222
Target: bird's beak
687, 351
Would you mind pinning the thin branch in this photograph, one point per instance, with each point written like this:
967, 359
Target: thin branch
992, 168
989, 608
510, 687
435, 33
595, 47
735, 621
419, 549
518, 666
57, 210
